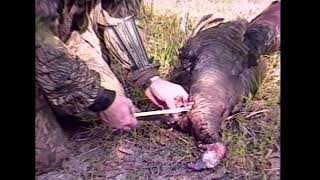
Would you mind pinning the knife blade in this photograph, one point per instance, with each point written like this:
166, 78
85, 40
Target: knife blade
165, 111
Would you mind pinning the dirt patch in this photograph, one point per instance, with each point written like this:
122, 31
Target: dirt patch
150, 152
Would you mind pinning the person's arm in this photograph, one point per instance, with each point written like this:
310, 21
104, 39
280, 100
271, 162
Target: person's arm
117, 28
123, 40
66, 81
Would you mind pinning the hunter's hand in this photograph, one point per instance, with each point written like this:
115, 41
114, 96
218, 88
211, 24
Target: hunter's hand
166, 94
120, 114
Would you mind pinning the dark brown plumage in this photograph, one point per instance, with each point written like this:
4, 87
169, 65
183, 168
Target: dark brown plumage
223, 66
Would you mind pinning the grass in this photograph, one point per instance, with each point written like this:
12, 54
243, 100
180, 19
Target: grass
164, 39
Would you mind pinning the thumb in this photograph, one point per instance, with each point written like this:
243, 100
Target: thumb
150, 95
171, 104
134, 109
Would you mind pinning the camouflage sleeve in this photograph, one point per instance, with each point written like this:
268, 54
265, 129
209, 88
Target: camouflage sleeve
123, 40
67, 82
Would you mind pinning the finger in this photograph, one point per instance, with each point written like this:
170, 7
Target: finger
175, 116
171, 104
129, 124
179, 103
149, 94
126, 128
130, 120
134, 109
190, 104
132, 124
185, 97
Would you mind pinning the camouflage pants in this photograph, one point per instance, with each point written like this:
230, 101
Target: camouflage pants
50, 138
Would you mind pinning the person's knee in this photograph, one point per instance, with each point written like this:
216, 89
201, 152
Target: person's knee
51, 141
49, 158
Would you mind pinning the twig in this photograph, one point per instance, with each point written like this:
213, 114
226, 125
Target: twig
247, 131
232, 116
257, 112
125, 151
248, 116
185, 141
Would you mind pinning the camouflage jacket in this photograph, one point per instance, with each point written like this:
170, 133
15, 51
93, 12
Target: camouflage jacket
66, 81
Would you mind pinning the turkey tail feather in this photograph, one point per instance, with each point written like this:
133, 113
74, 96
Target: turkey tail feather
263, 34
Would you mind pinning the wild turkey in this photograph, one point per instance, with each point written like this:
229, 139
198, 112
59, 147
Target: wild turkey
222, 65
